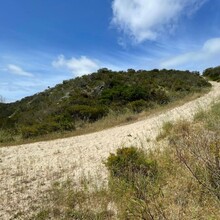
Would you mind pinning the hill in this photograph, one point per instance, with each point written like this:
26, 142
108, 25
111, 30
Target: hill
91, 97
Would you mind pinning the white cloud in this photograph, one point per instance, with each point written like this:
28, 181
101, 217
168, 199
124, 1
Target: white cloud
147, 19
18, 71
209, 51
78, 67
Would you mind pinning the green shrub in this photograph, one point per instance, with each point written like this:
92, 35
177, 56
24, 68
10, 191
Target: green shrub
6, 136
63, 121
86, 112
127, 163
138, 106
160, 96
213, 73
29, 132
46, 127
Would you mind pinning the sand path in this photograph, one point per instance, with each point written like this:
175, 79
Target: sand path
28, 170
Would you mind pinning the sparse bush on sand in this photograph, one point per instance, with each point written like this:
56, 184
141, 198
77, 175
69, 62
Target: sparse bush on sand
180, 181
128, 163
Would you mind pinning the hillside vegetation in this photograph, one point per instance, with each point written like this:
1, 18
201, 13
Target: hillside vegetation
212, 73
86, 99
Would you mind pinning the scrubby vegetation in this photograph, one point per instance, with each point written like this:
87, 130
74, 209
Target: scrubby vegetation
129, 163
66, 202
180, 181
212, 73
86, 99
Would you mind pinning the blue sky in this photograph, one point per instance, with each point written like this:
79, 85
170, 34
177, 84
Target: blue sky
43, 42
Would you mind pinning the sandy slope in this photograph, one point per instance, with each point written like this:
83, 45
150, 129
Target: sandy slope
27, 171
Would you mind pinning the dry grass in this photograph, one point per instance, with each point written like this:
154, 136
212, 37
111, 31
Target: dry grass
66, 201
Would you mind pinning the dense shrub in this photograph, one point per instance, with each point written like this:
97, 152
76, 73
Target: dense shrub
213, 73
85, 112
6, 136
139, 105
45, 128
29, 132
63, 121
127, 163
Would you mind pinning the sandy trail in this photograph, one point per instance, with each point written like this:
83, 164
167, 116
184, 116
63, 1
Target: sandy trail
28, 170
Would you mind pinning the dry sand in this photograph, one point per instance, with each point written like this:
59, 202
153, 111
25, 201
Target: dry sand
27, 171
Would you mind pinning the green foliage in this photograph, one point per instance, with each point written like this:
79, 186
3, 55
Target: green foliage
49, 126
91, 97
127, 163
38, 129
6, 136
139, 105
85, 112
213, 73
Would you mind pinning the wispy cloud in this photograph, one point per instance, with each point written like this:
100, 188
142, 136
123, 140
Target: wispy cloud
209, 50
14, 69
148, 19
78, 66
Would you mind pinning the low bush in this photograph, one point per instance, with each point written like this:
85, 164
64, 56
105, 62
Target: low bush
6, 136
130, 162
139, 105
87, 113
45, 128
